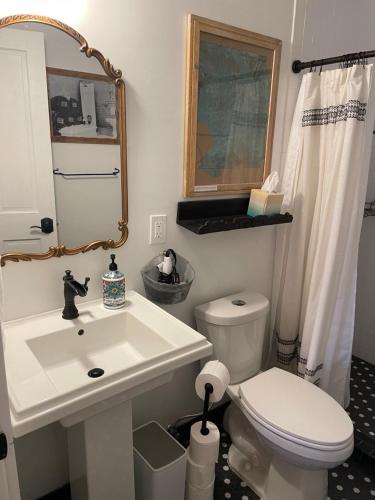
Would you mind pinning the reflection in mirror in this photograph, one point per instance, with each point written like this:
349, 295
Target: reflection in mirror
60, 163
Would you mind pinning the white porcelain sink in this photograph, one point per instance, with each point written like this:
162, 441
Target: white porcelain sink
115, 344
48, 358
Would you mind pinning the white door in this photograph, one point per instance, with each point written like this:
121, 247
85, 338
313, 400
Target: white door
26, 177
9, 489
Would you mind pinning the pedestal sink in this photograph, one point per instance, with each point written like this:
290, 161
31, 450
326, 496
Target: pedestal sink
84, 373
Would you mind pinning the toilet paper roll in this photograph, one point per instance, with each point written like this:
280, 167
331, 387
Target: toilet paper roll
193, 493
204, 450
216, 374
199, 476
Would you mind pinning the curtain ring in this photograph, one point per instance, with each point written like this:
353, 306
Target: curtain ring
360, 58
320, 70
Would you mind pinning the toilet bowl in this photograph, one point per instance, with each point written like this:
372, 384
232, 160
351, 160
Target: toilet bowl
286, 432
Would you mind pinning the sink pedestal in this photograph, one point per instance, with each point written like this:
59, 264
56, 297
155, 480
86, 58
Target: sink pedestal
100, 443
101, 456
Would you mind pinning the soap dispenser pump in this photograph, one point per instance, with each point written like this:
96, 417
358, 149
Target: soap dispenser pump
113, 286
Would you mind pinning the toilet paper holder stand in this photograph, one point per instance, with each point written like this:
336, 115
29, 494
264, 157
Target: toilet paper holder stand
208, 390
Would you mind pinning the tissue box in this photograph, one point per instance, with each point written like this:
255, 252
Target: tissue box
264, 203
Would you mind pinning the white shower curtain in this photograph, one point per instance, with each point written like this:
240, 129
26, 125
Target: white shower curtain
324, 182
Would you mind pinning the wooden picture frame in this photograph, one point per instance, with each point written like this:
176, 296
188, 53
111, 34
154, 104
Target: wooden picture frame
230, 103
67, 112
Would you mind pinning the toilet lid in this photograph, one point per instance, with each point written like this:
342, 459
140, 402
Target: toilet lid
296, 407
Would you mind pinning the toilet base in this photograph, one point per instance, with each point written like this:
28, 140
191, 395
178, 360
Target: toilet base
287, 482
247, 456
269, 476
254, 477
282, 481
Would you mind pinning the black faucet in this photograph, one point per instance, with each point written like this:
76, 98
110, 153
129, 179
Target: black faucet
71, 289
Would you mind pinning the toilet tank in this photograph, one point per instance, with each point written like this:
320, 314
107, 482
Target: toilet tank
236, 327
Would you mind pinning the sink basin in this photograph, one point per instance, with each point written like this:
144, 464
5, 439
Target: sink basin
49, 360
115, 344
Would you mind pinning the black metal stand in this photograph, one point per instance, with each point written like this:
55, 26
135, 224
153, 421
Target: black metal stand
208, 390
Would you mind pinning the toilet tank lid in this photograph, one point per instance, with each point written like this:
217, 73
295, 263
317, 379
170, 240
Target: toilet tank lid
236, 309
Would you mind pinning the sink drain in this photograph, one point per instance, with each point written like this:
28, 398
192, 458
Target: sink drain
95, 372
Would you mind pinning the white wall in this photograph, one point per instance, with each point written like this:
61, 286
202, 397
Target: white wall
146, 39
335, 27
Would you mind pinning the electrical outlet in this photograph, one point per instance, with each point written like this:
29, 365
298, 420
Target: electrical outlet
158, 229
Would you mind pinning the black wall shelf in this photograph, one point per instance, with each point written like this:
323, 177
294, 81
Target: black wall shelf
213, 216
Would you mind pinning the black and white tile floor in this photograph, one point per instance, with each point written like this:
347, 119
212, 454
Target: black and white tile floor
353, 480
362, 405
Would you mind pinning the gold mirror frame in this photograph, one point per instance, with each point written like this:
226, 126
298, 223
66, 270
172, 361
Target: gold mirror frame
116, 76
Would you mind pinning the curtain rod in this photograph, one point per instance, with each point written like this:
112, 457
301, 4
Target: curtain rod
298, 66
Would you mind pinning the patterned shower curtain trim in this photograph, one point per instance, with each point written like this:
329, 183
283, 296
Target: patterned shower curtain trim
289, 357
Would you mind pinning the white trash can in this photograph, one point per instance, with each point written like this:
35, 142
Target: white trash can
159, 464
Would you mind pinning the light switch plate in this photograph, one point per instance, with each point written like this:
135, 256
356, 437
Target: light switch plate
158, 229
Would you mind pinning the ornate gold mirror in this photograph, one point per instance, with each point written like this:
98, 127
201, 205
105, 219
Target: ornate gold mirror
63, 179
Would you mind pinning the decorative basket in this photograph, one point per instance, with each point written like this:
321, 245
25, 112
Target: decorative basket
163, 293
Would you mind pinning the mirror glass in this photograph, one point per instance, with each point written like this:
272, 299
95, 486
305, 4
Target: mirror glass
60, 162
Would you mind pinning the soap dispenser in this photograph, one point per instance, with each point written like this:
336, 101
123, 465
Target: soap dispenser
113, 287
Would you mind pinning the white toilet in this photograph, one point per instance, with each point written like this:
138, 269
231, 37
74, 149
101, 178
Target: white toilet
286, 432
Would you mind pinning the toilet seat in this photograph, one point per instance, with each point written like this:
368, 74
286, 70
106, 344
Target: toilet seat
295, 410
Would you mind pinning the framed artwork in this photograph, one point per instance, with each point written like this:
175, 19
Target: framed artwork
83, 107
231, 88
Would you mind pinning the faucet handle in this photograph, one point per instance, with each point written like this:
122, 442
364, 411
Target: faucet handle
87, 279
68, 275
